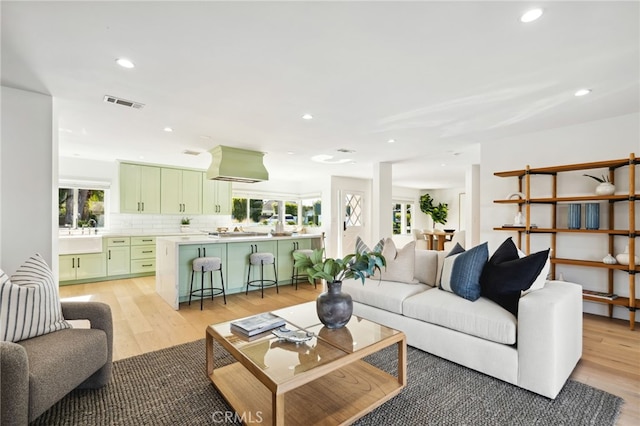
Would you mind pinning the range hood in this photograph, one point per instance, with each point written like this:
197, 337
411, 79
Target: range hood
236, 165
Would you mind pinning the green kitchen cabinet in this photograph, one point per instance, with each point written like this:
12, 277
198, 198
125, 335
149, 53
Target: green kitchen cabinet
238, 263
82, 266
139, 189
118, 255
216, 196
181, 191
186, 254
285, 256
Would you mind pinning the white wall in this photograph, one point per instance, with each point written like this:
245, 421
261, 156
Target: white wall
608, 139
28, 188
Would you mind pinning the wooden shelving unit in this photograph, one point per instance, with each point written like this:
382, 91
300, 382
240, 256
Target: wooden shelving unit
629, 199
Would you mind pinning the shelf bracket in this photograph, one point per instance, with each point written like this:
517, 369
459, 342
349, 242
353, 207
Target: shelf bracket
632, 308
632, 198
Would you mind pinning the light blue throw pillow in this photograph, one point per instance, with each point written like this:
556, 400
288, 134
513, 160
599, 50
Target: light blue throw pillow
462, 270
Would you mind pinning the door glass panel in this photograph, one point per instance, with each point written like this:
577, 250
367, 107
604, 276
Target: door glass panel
353, 210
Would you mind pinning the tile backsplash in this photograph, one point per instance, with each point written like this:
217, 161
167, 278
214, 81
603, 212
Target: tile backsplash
149, 223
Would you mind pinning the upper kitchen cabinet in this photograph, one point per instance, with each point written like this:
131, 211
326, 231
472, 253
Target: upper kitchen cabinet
181, 191
216, 196
139, 189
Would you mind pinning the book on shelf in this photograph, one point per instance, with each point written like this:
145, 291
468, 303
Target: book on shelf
256, 324
600, 294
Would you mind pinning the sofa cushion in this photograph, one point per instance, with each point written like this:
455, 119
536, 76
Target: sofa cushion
29, 302
481, 318
426, 266
400, 264
506, 274
462, 269
387, 295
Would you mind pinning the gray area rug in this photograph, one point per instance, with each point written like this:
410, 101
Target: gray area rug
170, 387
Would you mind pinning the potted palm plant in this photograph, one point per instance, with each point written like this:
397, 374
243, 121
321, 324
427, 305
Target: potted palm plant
335, 307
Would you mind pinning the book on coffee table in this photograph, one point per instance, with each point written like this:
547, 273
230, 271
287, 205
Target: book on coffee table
256, 324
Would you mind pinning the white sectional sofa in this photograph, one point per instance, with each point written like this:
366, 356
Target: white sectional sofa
537, 351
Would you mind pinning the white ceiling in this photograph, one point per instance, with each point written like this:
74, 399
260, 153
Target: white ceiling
438, 77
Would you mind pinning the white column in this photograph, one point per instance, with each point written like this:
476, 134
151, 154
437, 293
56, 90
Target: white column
381, 196
472, 209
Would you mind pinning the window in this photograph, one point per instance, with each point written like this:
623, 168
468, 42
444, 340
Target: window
254, 211
311, 212
402, 218
81, 207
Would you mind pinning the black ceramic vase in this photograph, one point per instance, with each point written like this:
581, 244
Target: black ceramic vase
334, 307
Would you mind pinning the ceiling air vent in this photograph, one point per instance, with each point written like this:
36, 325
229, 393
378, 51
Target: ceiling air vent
131, 104
190, 152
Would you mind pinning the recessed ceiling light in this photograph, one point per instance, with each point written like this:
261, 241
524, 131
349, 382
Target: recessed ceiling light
582, 92
531, 15
307, 117
141, 157
125, 63
168, 129
290, 152
205, 137
391, 141
443, 165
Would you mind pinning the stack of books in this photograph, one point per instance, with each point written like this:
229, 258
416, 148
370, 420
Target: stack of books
599, 294
256, 324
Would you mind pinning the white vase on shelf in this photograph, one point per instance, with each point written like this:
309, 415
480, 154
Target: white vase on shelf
518, 219
623, 258
605, 188
609, 260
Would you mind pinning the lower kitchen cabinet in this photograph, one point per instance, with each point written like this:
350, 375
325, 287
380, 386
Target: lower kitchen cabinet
118, 259
82, 266
238, 263
285, 256
185, 258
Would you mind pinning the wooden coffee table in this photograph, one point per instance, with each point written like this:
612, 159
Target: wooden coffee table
321, 381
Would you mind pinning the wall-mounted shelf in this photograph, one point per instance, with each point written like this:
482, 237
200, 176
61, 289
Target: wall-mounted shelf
631, 197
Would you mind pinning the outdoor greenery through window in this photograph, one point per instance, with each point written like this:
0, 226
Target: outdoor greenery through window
79, 207
402, 218
252, 211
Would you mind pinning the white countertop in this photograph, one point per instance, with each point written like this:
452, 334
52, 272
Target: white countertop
206, 239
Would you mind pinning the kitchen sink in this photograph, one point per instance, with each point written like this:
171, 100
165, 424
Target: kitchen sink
76, 244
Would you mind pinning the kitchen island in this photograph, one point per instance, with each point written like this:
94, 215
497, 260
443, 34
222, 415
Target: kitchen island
174, 255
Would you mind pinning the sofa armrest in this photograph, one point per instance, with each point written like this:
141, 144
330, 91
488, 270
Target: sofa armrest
549, 337
99, 315
14, 384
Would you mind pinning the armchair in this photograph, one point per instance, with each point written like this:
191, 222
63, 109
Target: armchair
35, 373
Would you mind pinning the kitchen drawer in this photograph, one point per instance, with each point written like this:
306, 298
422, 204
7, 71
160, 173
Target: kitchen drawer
143, 252
117, 241
142, 241
140, 266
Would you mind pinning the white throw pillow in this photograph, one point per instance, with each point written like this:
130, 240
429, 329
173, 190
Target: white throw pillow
541, 279
29, 302
400, 263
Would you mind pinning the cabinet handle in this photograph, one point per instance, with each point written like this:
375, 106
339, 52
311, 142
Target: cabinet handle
147, 251
204, 251
147, 265
138, 205
78, 262
118, 241
109, 254
144, 241
73, 263
143, 206
198, 251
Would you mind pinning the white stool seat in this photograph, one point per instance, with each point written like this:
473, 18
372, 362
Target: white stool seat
208, 263
262, 258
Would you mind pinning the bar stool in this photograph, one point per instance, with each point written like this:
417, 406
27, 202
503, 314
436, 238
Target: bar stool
202, 265
296, 276
258, 258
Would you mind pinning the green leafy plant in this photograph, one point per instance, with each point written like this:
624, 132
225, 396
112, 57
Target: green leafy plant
603, 179
356, 266
185, 221
438, 213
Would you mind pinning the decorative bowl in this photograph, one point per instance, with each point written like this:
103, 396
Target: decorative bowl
449, 230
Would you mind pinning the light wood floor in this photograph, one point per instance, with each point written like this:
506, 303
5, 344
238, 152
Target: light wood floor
143, 322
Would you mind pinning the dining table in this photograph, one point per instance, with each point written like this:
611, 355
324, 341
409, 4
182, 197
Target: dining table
436, 238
